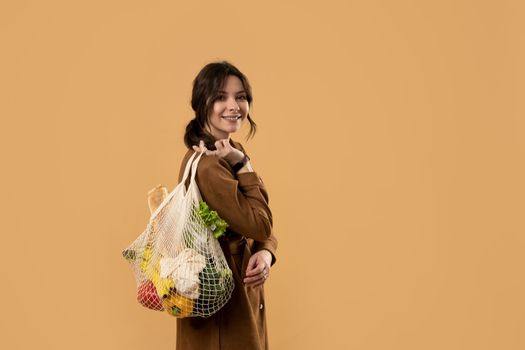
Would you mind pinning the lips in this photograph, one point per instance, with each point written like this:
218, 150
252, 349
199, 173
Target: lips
233, 117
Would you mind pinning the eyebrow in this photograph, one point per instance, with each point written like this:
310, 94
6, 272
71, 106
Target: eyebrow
238, 92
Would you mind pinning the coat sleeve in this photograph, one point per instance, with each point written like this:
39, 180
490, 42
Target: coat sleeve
241, 201
270, 244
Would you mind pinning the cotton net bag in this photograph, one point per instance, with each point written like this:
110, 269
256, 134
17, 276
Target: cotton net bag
178, 263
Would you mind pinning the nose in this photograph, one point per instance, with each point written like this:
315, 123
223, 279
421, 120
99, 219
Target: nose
233, 106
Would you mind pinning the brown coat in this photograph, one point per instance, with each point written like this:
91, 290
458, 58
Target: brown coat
242, 201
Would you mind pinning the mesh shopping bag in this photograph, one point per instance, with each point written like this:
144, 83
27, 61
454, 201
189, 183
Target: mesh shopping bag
178, 263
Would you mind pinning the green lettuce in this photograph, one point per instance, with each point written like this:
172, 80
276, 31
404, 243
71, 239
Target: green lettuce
210, 217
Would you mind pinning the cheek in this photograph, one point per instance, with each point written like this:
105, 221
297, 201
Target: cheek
215, 114
218, 108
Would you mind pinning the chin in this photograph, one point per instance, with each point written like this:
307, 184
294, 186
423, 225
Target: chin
230, 128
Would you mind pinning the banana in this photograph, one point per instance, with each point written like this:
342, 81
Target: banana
163, 285
146, 257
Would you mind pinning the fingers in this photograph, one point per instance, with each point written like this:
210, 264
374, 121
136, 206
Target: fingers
252, 262
257, 280
253, 281
202, 148
257, 271
198, 148
256, 284
255, 266
221, 144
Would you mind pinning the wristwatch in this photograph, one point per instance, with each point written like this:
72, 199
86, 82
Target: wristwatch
237, 166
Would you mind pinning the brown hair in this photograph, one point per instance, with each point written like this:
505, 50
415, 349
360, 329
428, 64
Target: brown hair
206, 86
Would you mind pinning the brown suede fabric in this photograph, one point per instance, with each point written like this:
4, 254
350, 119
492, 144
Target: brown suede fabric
241, 200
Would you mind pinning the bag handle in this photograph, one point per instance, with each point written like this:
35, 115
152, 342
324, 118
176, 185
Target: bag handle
188, 167
194, 166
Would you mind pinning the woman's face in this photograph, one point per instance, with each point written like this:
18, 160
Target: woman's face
229, 110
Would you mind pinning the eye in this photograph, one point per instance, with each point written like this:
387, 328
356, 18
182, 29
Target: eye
221, 97
243, 97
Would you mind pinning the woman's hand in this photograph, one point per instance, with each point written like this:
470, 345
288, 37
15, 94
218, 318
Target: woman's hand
223, 150
258, 268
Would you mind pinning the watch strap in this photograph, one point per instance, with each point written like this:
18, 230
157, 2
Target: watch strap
237, 166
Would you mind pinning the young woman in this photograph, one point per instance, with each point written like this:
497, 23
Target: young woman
228, 183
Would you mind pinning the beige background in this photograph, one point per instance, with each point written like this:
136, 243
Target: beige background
391, 139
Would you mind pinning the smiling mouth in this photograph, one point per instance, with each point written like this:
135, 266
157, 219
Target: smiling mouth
232, 118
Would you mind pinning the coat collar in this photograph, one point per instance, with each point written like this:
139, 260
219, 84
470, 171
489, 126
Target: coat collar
235, 144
